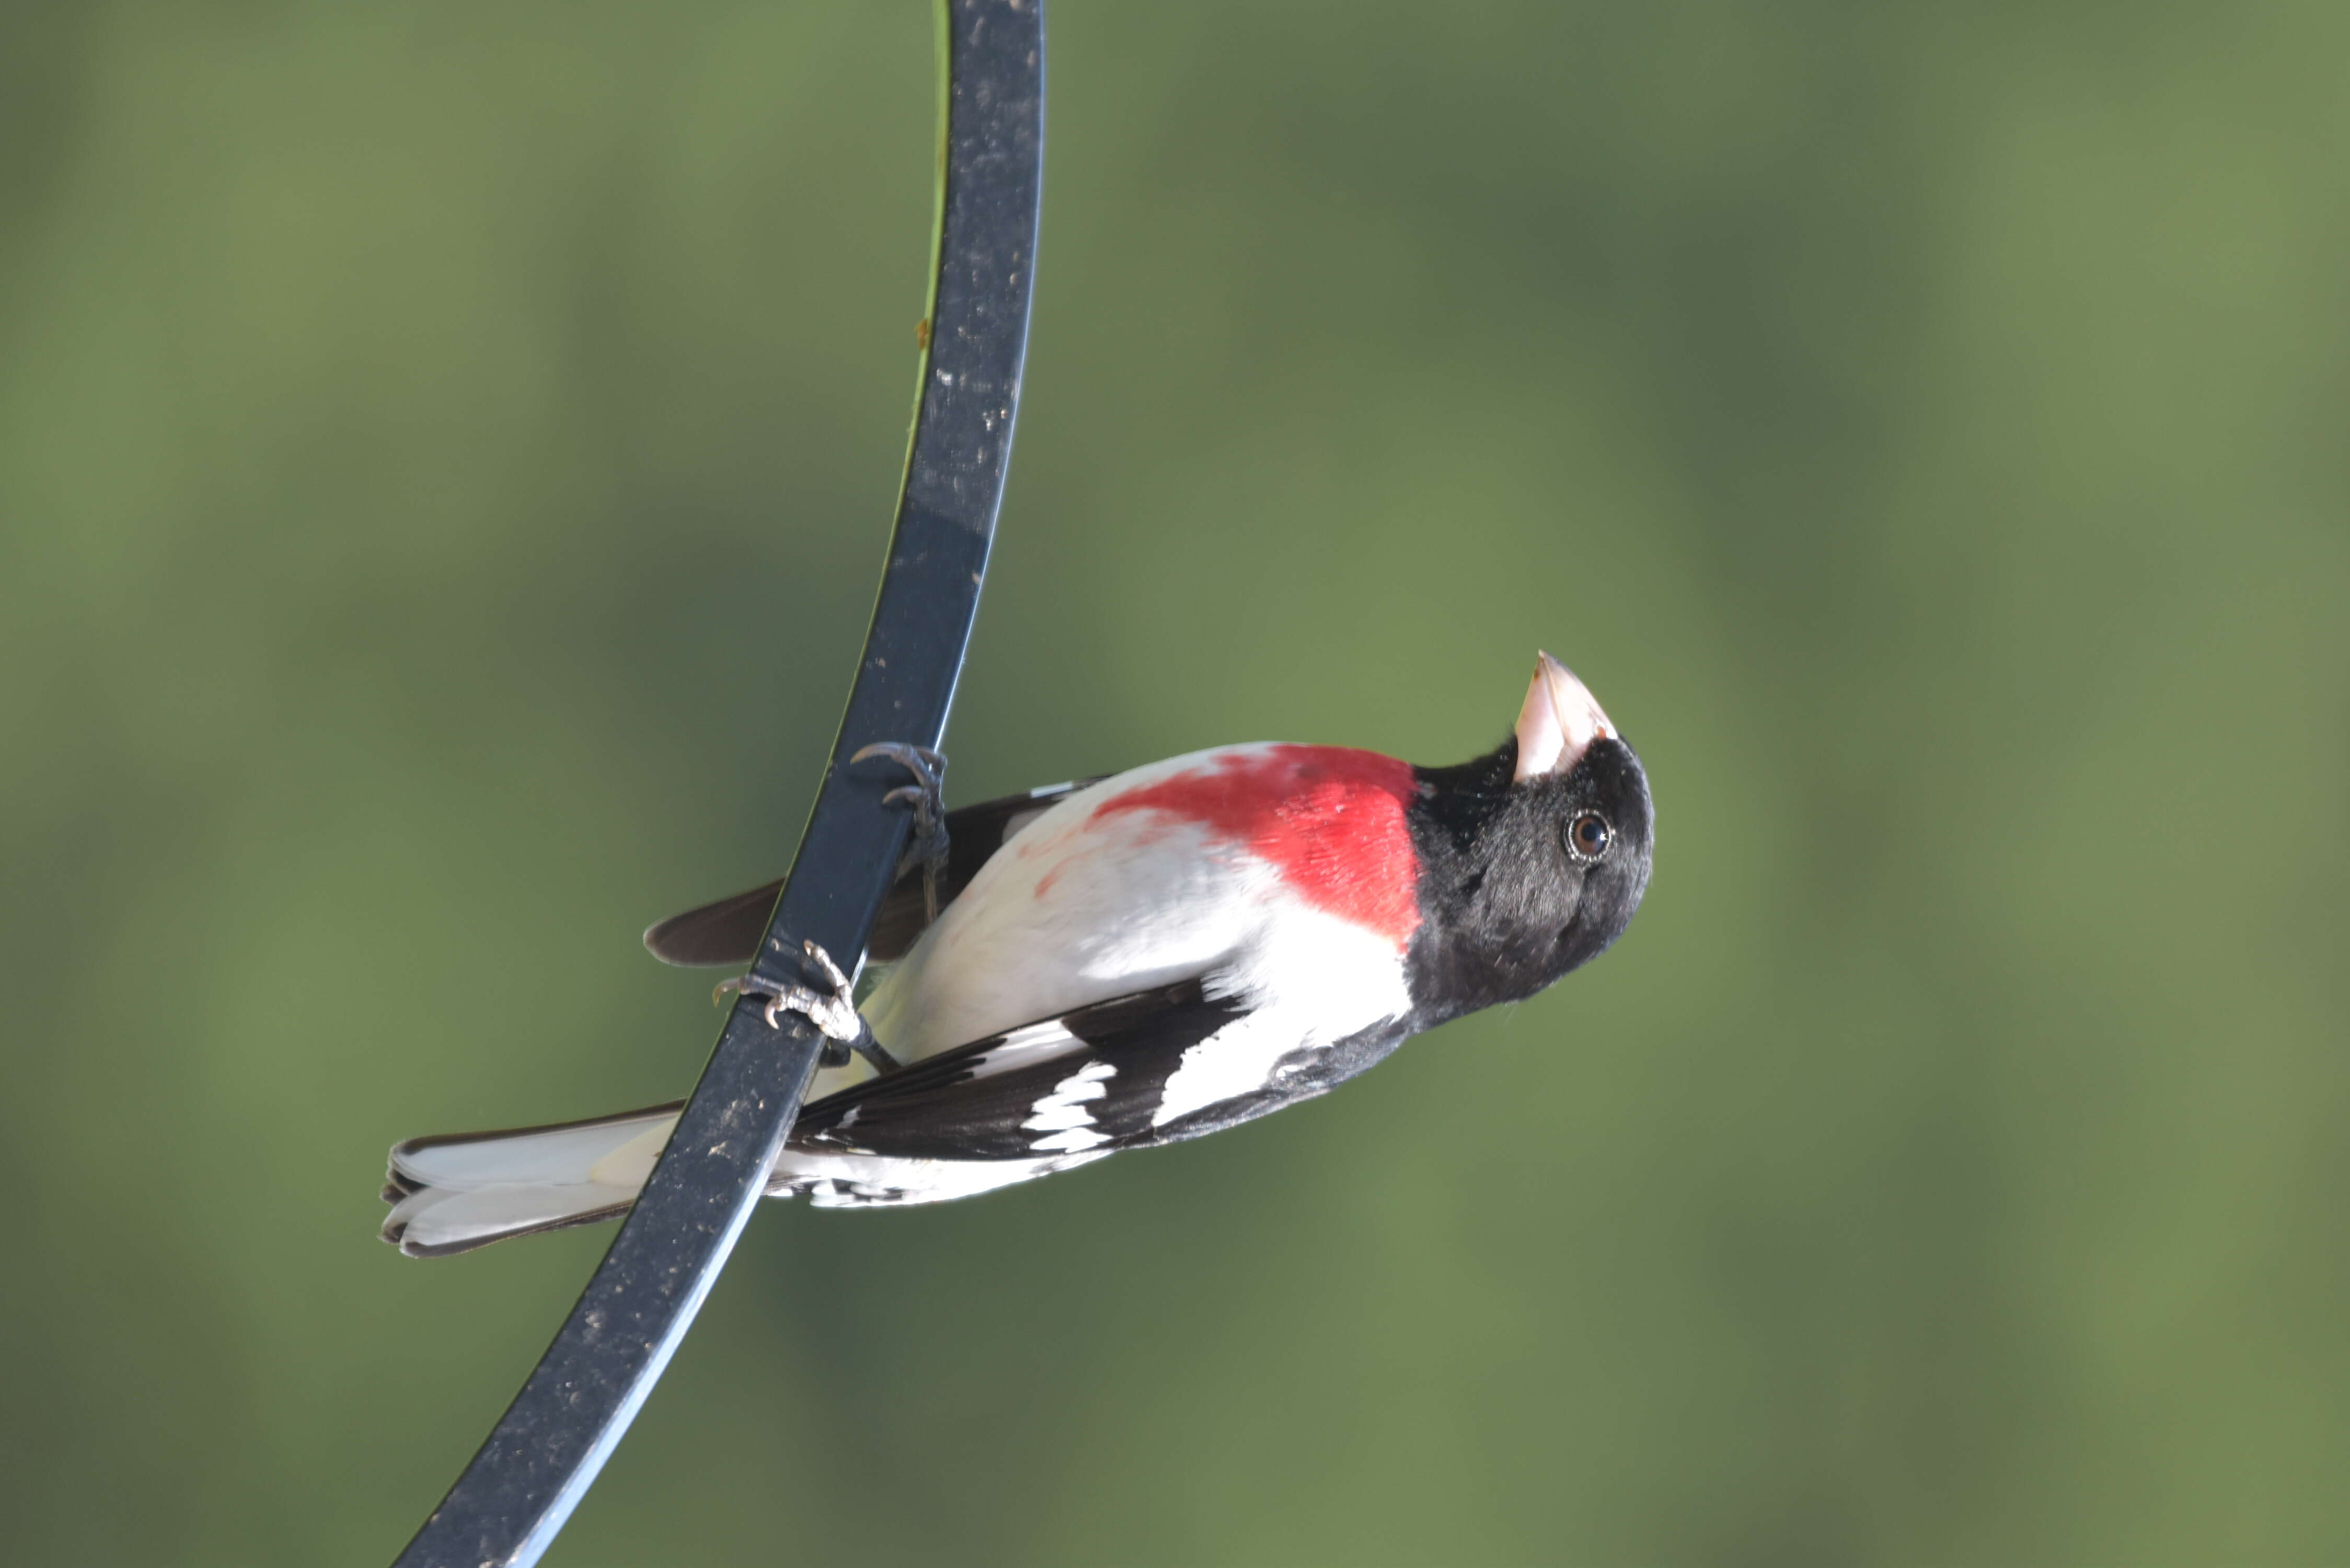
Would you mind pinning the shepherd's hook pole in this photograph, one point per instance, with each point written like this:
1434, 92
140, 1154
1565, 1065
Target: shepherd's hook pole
546, 1452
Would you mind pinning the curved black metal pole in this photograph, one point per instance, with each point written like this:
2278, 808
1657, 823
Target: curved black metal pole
544, 1452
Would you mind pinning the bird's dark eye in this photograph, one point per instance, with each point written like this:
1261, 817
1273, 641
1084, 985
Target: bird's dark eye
1588, 836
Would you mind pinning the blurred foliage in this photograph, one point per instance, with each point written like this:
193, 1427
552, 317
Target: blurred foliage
444, 456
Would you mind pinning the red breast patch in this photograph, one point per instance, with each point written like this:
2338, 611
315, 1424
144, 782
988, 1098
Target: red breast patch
1329, 818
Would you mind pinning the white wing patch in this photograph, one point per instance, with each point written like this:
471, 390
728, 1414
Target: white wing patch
1235, 1060
858, 1182
1028, 1043
1317, 979
1062, 1115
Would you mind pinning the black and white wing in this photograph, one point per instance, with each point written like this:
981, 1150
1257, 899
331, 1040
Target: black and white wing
727, 932
1152, 1067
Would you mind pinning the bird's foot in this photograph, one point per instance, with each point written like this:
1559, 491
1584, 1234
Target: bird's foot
927, 795
833, 1012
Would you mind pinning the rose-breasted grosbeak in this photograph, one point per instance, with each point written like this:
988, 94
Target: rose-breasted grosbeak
1130, 960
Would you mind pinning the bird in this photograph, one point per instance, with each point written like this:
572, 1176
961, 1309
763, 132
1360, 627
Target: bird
1135, 959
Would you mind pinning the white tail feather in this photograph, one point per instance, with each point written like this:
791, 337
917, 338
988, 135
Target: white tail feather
453, 1194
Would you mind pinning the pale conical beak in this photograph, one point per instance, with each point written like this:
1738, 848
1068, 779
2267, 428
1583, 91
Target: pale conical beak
1559, 722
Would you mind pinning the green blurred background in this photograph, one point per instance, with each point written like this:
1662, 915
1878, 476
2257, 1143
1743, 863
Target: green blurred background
444, 457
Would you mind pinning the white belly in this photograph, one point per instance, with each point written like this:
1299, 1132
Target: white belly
1073, 911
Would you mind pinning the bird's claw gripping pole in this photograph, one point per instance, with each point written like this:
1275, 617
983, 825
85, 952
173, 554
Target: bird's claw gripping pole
544, 1453
927, 795
833, 1011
